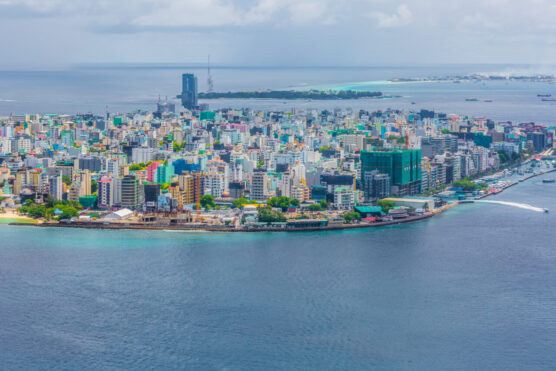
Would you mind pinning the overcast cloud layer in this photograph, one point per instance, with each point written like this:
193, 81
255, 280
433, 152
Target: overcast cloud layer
57, 33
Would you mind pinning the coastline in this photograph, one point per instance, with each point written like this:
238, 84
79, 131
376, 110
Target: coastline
213, 228
208, 228
17, 217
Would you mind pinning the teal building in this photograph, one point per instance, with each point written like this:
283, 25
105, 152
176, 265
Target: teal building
402, 166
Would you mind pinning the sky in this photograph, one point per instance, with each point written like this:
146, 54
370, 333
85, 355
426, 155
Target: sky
51, 34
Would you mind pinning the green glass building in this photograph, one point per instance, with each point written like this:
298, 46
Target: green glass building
402, 166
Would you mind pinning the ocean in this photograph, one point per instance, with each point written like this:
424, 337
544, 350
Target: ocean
470, 289
126, 88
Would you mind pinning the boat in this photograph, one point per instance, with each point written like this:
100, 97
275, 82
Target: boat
471, 100
488, 100
546, 211
548, 99
544, 95
548, 180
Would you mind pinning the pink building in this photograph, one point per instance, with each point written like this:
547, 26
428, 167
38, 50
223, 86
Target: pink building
151, 170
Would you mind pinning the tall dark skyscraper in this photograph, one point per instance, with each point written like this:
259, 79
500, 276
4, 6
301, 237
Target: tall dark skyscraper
188, 91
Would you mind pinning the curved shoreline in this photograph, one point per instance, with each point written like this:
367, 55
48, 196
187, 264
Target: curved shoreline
208, 228
213, 228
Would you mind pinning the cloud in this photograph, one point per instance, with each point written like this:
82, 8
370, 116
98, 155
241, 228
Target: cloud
401, 17
280, 31
171, 14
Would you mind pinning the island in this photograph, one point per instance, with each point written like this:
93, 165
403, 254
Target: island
293, 94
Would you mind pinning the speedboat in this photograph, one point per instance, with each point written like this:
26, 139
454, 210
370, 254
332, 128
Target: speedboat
546, 211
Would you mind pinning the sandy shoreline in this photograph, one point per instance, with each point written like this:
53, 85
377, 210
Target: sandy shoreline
15, 216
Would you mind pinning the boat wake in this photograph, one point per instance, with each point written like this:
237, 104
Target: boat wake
515, 204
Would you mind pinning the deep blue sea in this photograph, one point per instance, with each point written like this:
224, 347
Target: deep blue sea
126, 88
470, 289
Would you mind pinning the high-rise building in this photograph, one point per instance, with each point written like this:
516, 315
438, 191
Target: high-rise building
151, 171
188, 187
189, 91
258, 186
105, 193
56, 187
85, 183
402, 166
19, 182
375, 185
130, 191
152, 191
165, 173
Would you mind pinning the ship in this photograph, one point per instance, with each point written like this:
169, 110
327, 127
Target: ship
548, 180
548, 99
544, 95
471, 100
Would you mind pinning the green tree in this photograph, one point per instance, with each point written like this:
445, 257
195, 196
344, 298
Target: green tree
295, 202
267, 215
94, 186
445, 131
240, 202
352, 216
466, 185
176, 146
315, 207
49, 202
503, 156
386, 205
207, 202
324, 204
66, 180
135, 167
68, 212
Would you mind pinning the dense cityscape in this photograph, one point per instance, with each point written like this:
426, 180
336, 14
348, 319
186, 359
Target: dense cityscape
248, 169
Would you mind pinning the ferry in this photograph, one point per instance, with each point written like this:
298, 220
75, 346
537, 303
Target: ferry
548, 180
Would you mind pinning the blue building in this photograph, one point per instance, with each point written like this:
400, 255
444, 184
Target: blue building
189, 91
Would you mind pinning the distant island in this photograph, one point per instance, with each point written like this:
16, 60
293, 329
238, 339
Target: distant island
479, 77
293, 94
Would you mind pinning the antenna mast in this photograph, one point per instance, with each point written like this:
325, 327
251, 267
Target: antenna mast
210, 84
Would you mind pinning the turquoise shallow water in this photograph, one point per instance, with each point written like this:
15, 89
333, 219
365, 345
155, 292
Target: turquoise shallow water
470, 289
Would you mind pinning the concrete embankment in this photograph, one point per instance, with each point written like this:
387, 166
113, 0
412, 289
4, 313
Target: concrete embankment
212, 228
514, 183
